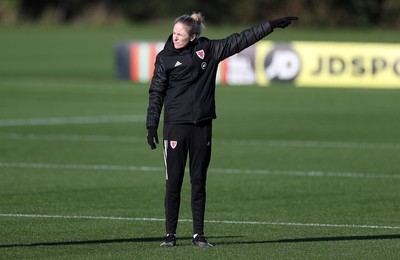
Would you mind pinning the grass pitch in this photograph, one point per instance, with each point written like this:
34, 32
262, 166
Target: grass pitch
295, 173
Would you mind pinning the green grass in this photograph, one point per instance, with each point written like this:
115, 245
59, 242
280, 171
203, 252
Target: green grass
283, 158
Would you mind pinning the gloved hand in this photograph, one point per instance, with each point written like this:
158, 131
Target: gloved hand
152, 137
283, 22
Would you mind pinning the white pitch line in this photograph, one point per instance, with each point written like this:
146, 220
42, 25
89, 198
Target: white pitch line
207, 221
74, 138
306, 173
315, 144
211, 170
72, 120
80, 167
138, 139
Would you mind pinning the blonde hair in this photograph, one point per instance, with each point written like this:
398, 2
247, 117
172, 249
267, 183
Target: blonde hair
194, 23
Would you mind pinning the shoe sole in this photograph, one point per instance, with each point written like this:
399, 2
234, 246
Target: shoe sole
168, 244
202, 244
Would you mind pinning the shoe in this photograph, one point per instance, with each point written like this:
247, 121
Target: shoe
170, 240
201, 241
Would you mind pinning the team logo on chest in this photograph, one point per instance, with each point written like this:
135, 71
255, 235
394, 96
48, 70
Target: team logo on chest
173, 144
201, 54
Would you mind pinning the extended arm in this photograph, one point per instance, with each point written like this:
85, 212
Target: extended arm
237, 42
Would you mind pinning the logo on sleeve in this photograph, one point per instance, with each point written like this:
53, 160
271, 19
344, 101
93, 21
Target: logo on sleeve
200, 54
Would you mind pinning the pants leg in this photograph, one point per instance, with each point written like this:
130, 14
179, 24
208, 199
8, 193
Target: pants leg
175, 155
200, 155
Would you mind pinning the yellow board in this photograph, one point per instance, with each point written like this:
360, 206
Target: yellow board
329, 64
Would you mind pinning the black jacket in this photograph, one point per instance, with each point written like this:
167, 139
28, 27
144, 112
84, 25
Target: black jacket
184, 79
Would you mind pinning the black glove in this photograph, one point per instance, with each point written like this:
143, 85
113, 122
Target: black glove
152, 136
283, 22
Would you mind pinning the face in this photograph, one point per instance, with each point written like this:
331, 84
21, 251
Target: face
180, 36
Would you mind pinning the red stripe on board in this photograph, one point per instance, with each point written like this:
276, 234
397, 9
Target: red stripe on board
134, 62
224, 71
152, 59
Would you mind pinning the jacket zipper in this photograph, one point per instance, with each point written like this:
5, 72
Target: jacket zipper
188, 54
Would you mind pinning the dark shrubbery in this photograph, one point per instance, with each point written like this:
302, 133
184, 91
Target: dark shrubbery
349, 13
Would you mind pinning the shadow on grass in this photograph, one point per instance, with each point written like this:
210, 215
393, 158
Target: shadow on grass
318, 239
160, 239
105, 241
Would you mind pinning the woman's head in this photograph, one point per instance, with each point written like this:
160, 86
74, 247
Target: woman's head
186, 29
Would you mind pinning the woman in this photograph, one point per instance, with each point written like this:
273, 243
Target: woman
184, 83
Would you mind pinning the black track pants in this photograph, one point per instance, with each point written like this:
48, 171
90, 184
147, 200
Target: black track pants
181, 140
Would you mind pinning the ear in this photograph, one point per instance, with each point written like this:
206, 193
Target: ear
193, 37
